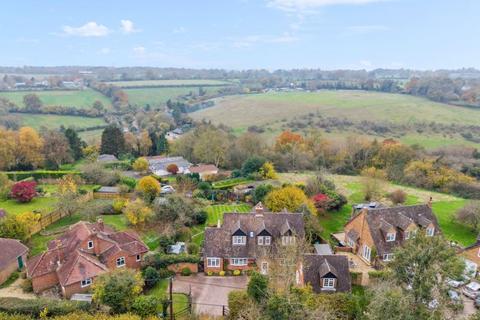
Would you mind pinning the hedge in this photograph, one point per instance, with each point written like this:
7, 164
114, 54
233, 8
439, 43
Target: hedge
229, 183
34, 307
39, 174
161, 261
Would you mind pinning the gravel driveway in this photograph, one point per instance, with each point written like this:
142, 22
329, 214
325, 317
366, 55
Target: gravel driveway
209, 294
15, 291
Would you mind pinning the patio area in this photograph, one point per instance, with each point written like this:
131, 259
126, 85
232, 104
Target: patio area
358, 265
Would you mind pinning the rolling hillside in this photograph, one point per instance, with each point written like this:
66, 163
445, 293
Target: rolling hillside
279, 111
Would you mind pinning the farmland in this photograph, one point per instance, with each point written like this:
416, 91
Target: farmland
37, 121
69, 98
167, 83
273, 111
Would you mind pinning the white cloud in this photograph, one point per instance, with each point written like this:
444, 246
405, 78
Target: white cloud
128, 27
180, 30
89, 29
305, 5
105, 51
140, 51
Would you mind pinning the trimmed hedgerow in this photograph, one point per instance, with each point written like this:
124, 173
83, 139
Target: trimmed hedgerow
34, 307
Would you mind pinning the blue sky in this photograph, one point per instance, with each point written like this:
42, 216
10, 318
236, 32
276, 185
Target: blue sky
242, 34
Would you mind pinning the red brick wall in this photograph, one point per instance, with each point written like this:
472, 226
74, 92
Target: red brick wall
210, 269
44, 282
70, 290
130, 261
8, 270
178, 267
249, 266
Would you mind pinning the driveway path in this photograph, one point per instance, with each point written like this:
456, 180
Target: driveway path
209, 293
15, 291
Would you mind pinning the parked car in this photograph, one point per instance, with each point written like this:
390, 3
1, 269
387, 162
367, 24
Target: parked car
472, 290
167, 189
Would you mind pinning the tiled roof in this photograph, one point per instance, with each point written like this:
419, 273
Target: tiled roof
317, 266
10, 249
161, 163
78, 267
203, 168
218, 241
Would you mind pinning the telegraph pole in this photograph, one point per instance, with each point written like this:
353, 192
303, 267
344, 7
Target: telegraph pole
171, 298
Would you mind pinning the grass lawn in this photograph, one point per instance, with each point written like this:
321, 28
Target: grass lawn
54, 121
180, 300
41, 204
451, 228
228, 183
215, 213
83, 99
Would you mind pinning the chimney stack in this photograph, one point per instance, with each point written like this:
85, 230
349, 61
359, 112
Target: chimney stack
429, 203
100, 224
259, 208
58, 245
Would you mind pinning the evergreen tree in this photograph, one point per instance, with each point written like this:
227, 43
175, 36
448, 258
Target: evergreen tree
162, 144
153, 149
75, 143
113, 141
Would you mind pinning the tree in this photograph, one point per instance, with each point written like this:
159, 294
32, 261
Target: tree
267, 171
75, 143
149, 187
257, 288
261, 192
176, 209
172, 168
56, 149
98, 105
137, 212
5, 186
144, 143
113, 141
211, 145
118, 289
29, 148
373, 183
28, 219
7, 148
421, 266
290, 198
24, 191
470, 214
32, 102
68, 201
146, 306
398, 196
140, 165
252, 165
389, 302
151, 277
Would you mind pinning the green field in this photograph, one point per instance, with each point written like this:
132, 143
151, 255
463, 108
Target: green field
70, 98
444, 206
159, 96
271, 110
53, 121
160, 83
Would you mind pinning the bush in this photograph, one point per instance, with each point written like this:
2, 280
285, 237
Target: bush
165, 273
36, 306
151, 277
24, 191
172, 168
186, 272
149, 188
130, 182
162, 261
193, 248
221, 273
200, 217
95, 173
39, 174
146, 306
237, 301
237, 272
209, 273
118, 205
257, 287
398, 196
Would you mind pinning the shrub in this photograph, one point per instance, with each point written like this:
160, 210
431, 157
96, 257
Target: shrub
140, 165
137, 212
165, 273
118, 205
237, 272
209, 273
183, 234
36, 306
186, 272
237, 301
95, 173
151, 277
257, 287
129, 181
200, 217
172, 168
39, 174
252, 165
146, 306
193, 248
24, 191
149, 187
398, 196
221, 273
162, 261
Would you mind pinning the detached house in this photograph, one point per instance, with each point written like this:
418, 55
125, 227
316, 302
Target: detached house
158, 165
325, 273
85, 251
12, 257
246, 241
374, 233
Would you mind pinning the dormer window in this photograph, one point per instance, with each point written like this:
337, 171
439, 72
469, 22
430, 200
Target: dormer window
430, 231
239, 240
264, 240
288, 240
328, 283
391, 236
90, 244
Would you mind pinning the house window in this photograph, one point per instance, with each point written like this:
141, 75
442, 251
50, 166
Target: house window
90, 244
239, 240
239, 261
213, 262
350, 243
287, 240
86, 282
430, 231
139, 257
390, 236
120, 262
407, 235
366, 252
388, 257
263, 241
328, 283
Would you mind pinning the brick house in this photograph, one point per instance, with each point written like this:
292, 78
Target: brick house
245, 241
85, 251
325, 273
374, 233
12, 257
471, 254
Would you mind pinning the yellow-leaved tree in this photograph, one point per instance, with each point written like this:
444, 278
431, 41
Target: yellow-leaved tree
137, 212
149, 187
291, 198
267, 171
29, 147
140, 165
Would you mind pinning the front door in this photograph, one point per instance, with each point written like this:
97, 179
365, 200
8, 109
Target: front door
20, 262
264, 268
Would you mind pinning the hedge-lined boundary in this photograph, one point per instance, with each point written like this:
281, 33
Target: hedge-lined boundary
39, 174
34, 307
162, 261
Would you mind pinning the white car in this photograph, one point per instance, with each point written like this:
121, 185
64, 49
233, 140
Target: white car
167, 189
472, 290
